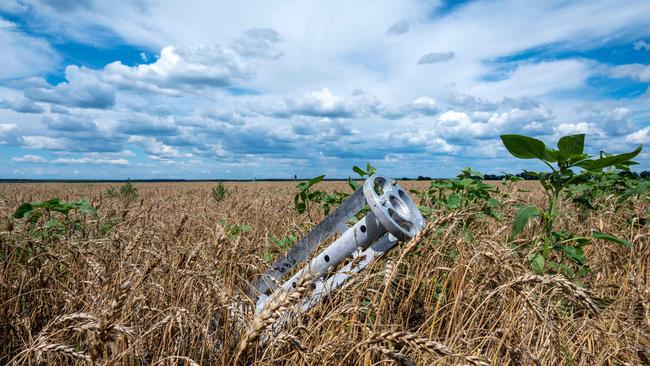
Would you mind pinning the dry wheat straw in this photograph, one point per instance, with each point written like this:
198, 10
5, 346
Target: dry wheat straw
272, 311
423, 344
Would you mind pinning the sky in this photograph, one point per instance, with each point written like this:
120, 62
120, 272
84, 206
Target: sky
154, 89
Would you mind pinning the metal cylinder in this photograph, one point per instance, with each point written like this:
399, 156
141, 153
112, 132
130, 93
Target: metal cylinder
360, 236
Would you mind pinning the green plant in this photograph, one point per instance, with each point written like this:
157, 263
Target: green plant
567, 158
218, 192
39, 211
126, 191
363, 174
285, 242
235, 230
305, 195
460, 192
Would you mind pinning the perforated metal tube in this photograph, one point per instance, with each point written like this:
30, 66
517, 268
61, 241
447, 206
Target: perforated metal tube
360, 236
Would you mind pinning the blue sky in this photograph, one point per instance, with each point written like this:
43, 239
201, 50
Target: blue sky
212, 89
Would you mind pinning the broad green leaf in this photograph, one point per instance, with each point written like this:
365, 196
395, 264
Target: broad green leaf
571, 145
353, 185
23, 211
85, 207
613, 239
575, 253
605, 162
315, 180
359, 171
536, 261
524, 214
370, 169
453, 201
525, 147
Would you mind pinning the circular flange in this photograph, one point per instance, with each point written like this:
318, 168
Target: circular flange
393, 207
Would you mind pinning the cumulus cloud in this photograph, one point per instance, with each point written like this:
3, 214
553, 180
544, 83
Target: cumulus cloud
45, 142
177, 70
321, 103
435, 57
422, 106
398, 28
154, 147
143, 124
641, 45
82, 89
29, 158
459, 128
229, 116
641, 136
324, 128
616, 122
7, 127
182, 68
22, 105
259, 43
69, 123
564, 129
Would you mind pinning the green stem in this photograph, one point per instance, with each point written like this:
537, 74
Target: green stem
552, 212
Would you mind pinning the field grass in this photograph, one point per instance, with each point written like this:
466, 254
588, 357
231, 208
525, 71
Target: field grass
161, 279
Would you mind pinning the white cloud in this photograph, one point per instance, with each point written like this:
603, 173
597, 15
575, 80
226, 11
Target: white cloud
36, 159
24, 55
154, 147
6, 127
321, 103
22, 105
531, 80
44, 142
398, 28
564, 129
28, 159
435, 57
259, 43
636, 72
182, 67
12, 6
641, 136
90, 161
641, 45
82, 89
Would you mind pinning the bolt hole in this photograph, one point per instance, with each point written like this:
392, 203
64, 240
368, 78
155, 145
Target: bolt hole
363, 228
327, 258
293, 285
313, 286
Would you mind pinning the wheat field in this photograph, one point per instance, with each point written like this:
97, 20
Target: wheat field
162, 280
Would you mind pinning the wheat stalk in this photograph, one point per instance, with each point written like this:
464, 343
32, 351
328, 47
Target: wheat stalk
272, 311
423, 344
565, 285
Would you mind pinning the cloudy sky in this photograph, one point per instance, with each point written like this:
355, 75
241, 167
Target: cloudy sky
212, 89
